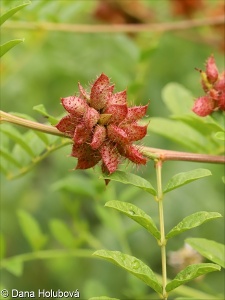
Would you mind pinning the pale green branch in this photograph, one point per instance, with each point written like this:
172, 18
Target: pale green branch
115, 28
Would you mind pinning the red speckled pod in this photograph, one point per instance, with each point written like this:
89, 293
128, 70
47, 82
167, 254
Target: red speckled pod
213, 85
102, 126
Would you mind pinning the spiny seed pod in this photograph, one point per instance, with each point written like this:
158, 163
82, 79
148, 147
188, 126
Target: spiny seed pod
102, 126
213, 85
203, 106
211, 69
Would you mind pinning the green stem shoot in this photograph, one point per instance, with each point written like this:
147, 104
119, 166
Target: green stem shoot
159, 199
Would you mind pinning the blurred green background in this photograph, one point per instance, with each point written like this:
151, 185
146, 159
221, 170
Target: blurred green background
68, 205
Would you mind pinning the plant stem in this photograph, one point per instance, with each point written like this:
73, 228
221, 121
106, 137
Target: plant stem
151, 153
5, 117
115, 28
165, 155
159, 199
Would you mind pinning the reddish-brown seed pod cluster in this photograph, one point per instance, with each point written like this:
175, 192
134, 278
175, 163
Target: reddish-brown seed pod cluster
213, 85
102, 126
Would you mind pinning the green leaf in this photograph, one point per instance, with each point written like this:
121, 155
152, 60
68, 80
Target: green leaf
44, 137
135, 214
13, 265
27, 151
9, 45
132, 265
206, 126
61, 233
42, 110
179, 133
220, 135
15, 135
178, 99
31, 230
129, 178
190, 273
4, 153
184, 178
212, 250
76, 184
11, 12
193, 221
102, 298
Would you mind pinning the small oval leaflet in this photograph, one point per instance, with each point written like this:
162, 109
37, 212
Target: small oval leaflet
190, 273
184, 178
212, 250
192, 221
135, 214
133, 265
132, 179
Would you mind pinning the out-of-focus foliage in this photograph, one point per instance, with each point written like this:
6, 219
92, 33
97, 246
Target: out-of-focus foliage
68, 206
29, 149
214, 251
3, 18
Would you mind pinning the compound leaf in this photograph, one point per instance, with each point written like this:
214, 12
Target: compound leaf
20, 152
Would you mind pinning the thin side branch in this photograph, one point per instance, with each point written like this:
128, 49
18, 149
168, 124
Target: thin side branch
5, 117
165, 155
151, 153
115, 28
